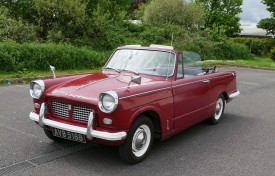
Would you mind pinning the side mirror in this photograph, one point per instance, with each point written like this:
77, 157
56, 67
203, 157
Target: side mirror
53, 70
135, 79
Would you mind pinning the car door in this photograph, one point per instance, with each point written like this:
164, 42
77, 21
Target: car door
191, 94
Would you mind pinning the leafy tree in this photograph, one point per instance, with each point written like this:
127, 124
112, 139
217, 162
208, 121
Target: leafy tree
13, 29
136, 10
177, 12
222, 14
23, 9
67, 15
109, 10
135, 5
122, 4
268, 23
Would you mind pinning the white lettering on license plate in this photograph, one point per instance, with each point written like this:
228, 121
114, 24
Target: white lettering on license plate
69, 135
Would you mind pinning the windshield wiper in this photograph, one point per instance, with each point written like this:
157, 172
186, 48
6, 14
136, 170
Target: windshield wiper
130, 71
110, 68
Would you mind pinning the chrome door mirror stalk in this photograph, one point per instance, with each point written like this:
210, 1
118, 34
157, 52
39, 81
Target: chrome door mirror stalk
53, 70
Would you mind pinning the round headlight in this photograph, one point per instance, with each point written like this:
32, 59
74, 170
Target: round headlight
108, 101
37, 89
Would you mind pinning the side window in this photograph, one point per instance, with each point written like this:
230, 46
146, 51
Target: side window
180, 67
192, 64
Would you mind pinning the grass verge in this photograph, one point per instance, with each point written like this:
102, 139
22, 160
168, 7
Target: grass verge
27, 76
31, 74
256, 62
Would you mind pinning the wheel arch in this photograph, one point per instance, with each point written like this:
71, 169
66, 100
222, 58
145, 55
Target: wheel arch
224, 93
154, 115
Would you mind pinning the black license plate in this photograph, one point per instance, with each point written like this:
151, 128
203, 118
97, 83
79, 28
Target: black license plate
69, 135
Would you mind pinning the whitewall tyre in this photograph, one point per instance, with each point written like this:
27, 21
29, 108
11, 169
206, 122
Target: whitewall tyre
138, 142
219, 110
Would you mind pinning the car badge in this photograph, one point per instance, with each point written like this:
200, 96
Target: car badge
70, 107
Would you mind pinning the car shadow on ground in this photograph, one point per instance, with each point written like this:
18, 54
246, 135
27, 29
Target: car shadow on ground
190, 145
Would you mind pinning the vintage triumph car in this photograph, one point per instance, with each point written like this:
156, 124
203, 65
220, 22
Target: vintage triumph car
142, 93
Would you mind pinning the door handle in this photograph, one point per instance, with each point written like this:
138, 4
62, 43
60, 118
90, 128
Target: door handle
207, 81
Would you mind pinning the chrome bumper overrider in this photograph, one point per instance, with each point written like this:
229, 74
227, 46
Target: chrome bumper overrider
234, 95
89, 131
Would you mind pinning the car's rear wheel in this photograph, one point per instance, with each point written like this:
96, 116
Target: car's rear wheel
139, 141
219, 110
50, 135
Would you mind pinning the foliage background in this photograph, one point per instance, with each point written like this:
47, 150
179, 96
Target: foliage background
81, 34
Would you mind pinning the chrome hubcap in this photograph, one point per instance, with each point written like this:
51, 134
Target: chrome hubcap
141, 140
219, 108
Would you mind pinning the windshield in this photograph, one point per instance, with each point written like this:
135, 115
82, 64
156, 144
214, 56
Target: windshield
159, 63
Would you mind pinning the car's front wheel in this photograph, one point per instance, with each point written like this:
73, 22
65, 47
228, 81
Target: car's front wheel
138, 142
219, 110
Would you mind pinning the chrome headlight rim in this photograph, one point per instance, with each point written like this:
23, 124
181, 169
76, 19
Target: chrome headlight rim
41, 84
100, 103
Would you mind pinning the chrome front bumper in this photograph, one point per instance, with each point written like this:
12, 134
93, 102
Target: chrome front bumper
89, 131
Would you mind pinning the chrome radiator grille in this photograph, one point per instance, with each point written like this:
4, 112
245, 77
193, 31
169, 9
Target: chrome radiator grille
79, 113
60, 109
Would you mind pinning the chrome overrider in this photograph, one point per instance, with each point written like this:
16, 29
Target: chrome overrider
89, 131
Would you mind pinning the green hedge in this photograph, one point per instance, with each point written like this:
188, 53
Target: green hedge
257, 46
272, 54
114, 35
210, 50
17, 57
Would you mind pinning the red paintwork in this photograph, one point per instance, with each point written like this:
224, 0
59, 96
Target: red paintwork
178, 102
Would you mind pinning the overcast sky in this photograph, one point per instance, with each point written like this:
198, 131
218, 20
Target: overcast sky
253, 12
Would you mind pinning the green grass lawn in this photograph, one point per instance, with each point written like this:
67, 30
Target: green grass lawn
31, 74
256, 62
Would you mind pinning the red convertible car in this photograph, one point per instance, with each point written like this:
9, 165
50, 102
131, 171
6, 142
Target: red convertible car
142, 93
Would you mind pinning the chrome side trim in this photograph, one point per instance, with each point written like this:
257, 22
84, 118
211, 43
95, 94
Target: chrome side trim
179, 85
175, 86
85, 85
195, 111
234, 95
143, 93
89, 131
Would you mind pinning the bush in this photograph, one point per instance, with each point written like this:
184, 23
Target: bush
257, 46
182, 13
230, 51
15, 30
18, 57
118, 34
210, 50
7, 63
272, 54
110, 35
161, 34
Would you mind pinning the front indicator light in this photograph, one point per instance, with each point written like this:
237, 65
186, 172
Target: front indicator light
107, 121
